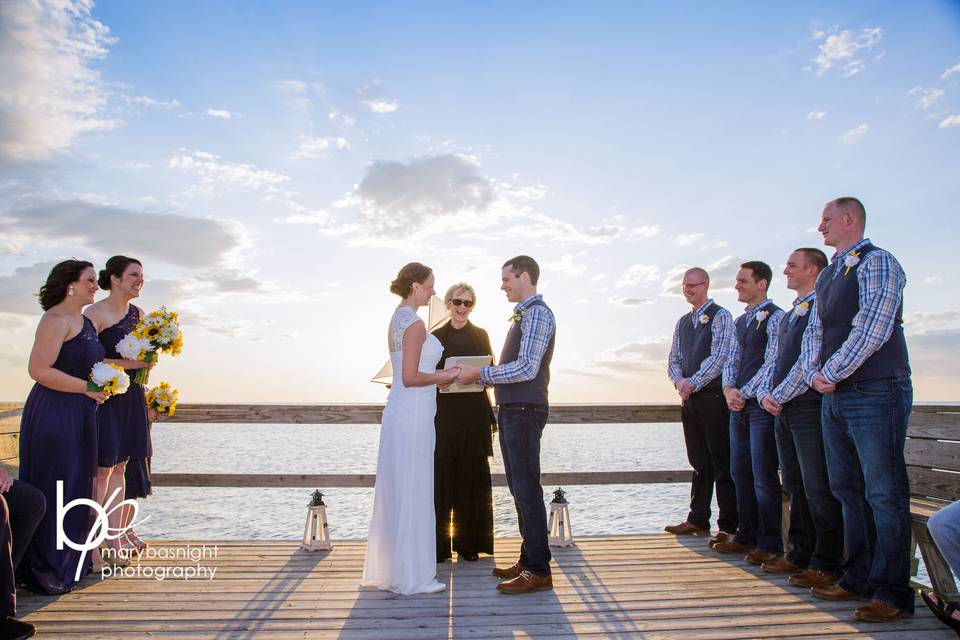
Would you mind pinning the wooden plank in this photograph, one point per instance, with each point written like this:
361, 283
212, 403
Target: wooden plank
368, 479
933, 454
933, 484
9, 446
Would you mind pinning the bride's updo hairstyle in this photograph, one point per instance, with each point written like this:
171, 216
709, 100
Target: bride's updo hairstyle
54, 290
413, 272
115, 267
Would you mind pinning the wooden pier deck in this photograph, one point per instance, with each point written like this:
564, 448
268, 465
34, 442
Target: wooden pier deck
638, 586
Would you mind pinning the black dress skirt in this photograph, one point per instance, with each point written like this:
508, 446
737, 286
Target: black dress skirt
462, 492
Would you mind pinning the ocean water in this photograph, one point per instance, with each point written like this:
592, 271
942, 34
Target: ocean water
224, 513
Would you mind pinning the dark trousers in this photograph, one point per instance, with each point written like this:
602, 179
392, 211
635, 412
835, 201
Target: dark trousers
753, 464
816, 519
705, 432
521, 426
21, 509
864, 431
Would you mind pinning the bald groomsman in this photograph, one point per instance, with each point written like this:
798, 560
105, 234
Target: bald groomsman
753, 447
816, 521
701, 343
855, 354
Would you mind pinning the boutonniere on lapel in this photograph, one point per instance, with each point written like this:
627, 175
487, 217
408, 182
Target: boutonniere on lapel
851, 261
801, 309
516, 316
704, 319
761, 316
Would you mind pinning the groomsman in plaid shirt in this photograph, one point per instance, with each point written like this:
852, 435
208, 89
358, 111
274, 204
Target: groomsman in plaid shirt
855, 354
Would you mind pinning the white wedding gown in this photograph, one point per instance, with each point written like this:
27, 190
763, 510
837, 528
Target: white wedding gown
401, 544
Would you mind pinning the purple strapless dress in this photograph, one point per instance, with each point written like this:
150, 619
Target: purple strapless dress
122, 420
58, 442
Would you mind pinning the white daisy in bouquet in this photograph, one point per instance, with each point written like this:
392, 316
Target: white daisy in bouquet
161, 332
163, 399
108, 377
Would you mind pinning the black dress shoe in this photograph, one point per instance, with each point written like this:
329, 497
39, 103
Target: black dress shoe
469, 557
13, 629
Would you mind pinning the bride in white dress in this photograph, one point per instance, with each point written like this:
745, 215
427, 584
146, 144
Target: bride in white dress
401, 544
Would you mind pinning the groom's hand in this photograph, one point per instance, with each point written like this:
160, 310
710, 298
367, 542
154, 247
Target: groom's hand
468, 374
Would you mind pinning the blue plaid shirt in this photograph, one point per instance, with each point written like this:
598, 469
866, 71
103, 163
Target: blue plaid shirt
537, 326
710, 368
793, 384
881, 280
732, 366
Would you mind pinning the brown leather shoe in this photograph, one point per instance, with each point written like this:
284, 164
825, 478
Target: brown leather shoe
686, 529
833, 592
812, 578
781, 566
526, 582
508, 573
730, 547
721, 536
878, 611
759, 556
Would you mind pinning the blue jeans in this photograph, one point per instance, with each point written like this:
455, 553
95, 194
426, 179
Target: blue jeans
753, 465
521, 426
864, 429
816, 518
944, 527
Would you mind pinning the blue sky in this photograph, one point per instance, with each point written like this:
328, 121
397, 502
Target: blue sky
274, 164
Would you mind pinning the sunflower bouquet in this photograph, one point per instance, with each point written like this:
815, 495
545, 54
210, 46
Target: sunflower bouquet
163, 399
161, 332
108, 377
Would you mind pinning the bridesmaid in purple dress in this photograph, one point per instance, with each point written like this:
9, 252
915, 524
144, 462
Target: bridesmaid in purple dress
122, 420
58, 430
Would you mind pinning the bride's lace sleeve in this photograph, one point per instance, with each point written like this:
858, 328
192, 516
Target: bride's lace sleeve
403, 317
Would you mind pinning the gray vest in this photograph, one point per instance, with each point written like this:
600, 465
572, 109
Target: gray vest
695, 343
531, 391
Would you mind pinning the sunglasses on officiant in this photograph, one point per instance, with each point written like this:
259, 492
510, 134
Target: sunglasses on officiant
457, 302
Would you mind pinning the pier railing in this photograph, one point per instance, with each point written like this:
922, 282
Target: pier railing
923, 418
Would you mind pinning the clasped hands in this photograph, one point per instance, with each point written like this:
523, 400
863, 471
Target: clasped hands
461, 374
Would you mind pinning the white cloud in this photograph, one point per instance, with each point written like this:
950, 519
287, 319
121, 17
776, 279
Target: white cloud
318, 147
854, 134
638, 274
932, 279
49, 93
572, 264
223, 114
172, 238
686, 239
629, 301
381, 106
341, 119
400, 197
153, 103
816, 115
950, 121
841, 50
304, 215
212, 172
955, 69
628, 360
926, 97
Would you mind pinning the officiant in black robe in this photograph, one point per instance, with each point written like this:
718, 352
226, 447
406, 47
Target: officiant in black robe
465, 422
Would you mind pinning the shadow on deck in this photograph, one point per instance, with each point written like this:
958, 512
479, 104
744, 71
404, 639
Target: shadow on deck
642, 586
